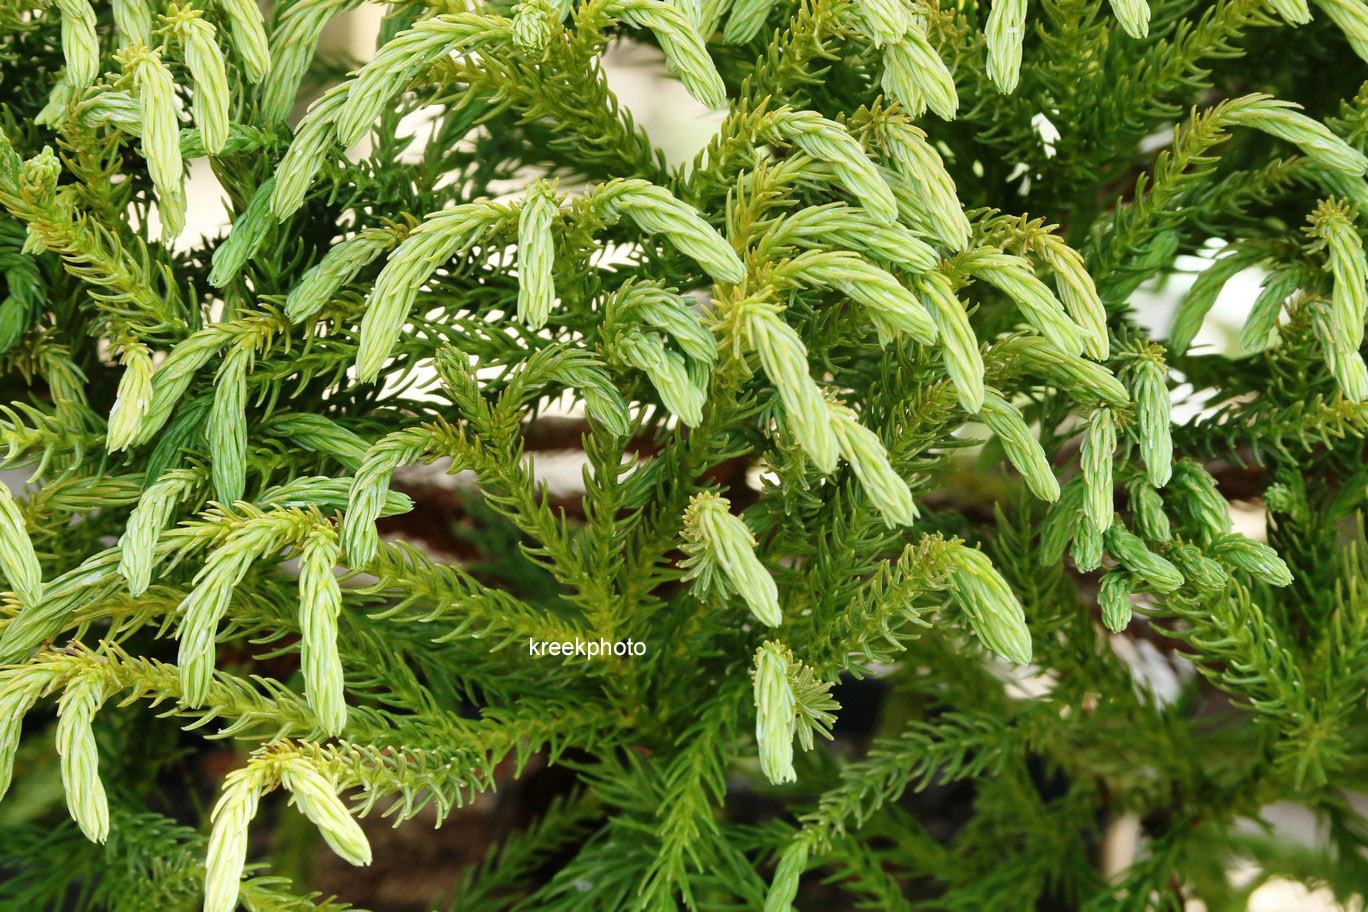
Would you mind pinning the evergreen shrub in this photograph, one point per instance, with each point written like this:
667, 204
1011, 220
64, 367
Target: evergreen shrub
891, 468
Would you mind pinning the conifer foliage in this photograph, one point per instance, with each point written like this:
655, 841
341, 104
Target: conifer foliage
862, 390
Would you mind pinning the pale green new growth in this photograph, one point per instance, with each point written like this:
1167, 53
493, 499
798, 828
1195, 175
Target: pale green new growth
1086, 549
775, 712
784, 359
227, 429
369, 486
441, 236
384, 76
1134, 16
916, 76
1331, 223
668, 374
654, 210
80, 46
885, 21
249, 232
149, 519
684, 50
1203, 501
1276, 288
922, 165
721, 553
206, 604
249, 36
1255, 558
133, 399
1078, 293
1130, 551
868, 458
673, 314
536, 291
1152, 404
314, 137
317, 798
531, 25
339, 266
745, 19
828, 141
174, 376
987, 601
959, 347
85, 793
1038, 304
320, 601
1198, 569
132, 21
160, 133
1004, 31
1344, 361
851, 228
17, 557
1147, 509
205, 62
1294, 12
1098, 451
293, 42
1006, 421
227, 853
1351, 17
19, 691
1114, 595
785, 885
1277, 118
893, 309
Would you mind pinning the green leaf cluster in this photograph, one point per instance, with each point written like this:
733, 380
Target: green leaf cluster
869, 412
